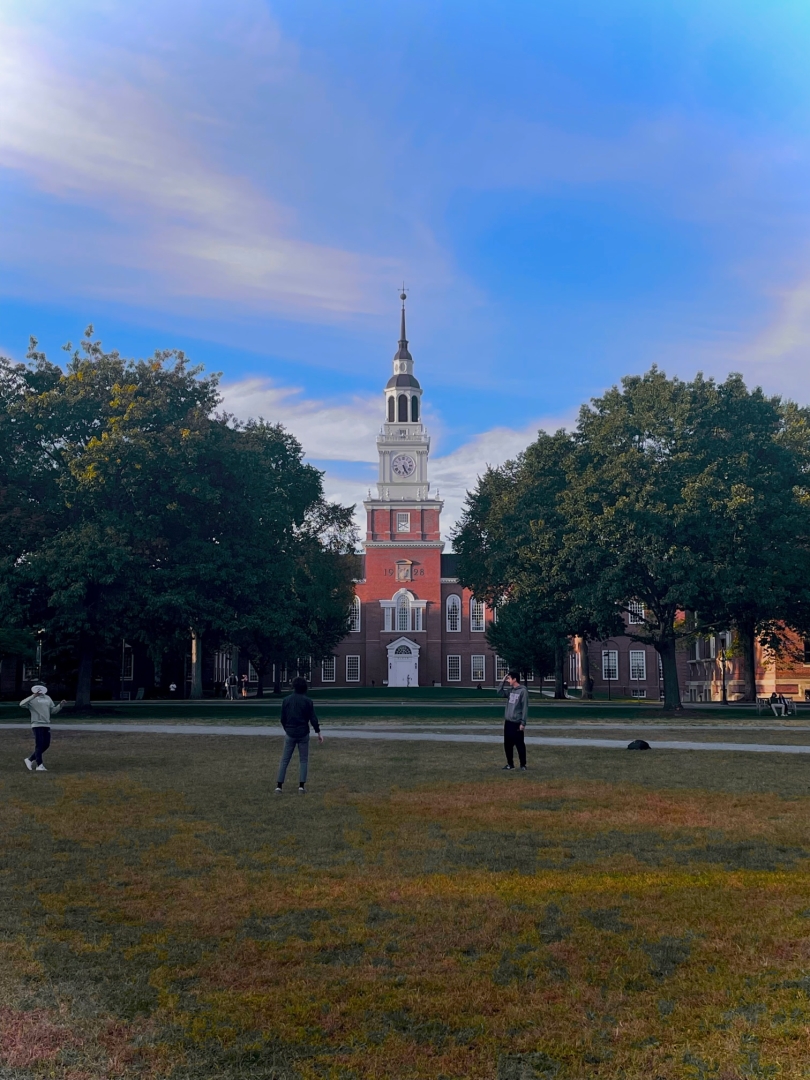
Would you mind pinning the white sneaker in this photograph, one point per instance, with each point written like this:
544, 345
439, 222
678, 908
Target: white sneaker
301, 789
29, 764
279, 791
40, 768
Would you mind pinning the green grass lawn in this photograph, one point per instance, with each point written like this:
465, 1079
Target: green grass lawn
418, 915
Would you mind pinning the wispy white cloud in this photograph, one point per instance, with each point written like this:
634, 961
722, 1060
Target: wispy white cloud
119, 145
345, 432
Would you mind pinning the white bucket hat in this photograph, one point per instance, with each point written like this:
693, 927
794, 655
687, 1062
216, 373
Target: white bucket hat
39, 689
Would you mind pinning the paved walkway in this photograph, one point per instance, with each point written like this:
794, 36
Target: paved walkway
412, 736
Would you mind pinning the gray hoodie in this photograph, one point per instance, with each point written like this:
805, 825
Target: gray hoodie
517, 706
42, 708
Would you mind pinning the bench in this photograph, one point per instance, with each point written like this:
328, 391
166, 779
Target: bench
764, 704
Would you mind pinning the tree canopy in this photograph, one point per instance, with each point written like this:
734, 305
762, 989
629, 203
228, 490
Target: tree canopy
129, 505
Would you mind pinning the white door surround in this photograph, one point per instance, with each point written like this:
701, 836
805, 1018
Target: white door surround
403, 662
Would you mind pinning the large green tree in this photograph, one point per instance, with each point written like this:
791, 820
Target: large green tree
147, 514
511, 541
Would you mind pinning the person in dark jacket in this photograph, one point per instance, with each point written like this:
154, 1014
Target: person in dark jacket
297, 713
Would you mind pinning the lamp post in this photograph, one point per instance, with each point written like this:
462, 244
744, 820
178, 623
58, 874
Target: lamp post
610, 666
39, 654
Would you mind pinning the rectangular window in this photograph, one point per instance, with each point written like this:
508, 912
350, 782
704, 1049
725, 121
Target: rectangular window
222, 665
610, 665
637, 692
354, 616
29, 672
352, 669
417, 618
807, 650
635, 612
304, 664
453, 614
478, 668
389, 618
638, 665
403, 615
529, 675
477, 616
253, 675
403, 522
328, 669
128, 666
454, 669
501, 668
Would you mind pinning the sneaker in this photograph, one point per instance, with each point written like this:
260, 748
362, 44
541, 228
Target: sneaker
301, 789
40, 768
524, 768
279, 791
508, 768
29, 764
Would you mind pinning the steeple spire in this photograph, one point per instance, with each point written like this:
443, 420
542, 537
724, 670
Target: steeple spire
403, 353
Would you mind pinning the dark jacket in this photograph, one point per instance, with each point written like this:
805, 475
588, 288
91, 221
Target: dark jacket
297, 713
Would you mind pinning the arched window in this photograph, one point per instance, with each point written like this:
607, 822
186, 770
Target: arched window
402, 650
453, 612
402, 418
391, 409
415, 409
403, 612
477, 625
354, 616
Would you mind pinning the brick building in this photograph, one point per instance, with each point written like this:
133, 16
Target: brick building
412, 624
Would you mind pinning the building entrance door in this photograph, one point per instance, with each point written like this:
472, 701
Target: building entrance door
403, 663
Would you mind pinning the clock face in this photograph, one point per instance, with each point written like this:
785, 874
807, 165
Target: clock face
403, 465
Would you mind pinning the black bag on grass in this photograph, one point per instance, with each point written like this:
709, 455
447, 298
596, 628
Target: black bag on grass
638, 744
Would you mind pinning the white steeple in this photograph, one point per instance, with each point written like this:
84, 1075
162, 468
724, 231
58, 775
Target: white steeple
403, 443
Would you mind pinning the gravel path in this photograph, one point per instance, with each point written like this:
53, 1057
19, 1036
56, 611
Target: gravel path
415, 736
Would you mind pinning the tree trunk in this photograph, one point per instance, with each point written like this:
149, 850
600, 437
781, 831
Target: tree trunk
84, 680
747, 633
559, 671
196, 664
669, 667
585, 670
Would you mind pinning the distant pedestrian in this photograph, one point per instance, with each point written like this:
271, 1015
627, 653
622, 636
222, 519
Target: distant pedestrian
514, 718
231, 684
297, 713
244, 685
42, 709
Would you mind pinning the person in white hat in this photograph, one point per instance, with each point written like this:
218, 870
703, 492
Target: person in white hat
42, 708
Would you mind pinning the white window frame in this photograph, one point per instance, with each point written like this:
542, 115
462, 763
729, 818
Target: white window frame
529, 675
573, 669
403, 617
637, 692
454, 669
638, 665
389, 619
636, 612
352, 669
403, 522
303, 666
610, 657
222, 665
452, 613
29, 671
253, 675
354, 616
328, 669
501, 668
478, 616
480, 675
416, 618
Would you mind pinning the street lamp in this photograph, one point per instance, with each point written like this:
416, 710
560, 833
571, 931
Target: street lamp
39, 653
610, 665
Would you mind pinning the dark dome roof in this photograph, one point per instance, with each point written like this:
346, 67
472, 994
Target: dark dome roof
403, 380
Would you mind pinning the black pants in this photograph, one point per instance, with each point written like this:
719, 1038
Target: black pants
513, 737
42, 740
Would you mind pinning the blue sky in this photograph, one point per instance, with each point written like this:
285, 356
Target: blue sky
572, 191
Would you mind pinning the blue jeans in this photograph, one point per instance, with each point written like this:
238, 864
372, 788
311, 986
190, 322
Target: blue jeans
290, 743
